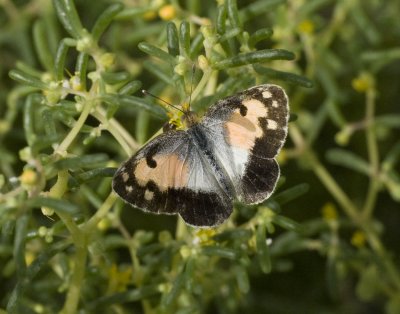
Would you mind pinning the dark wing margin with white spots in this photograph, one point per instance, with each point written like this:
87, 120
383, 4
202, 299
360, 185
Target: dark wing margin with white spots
258, 117
262, 171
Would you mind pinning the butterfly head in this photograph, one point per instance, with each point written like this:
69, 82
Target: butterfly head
188, 117
181, 119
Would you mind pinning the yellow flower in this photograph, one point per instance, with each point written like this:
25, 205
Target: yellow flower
204, 236
29, 258
46, 211
28, 177
363, 82
107, 60
167, 12
119, 279
342, 137
104, 224
358, 239
203, 62
329, 212
306, 27
75, 82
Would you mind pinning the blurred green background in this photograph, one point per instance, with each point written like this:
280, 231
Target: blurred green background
71, 111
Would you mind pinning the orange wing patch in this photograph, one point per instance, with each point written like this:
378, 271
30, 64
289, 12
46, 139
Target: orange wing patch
170, 172
242, 131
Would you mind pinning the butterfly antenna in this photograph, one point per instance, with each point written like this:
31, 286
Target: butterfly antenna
145, 92
191, 85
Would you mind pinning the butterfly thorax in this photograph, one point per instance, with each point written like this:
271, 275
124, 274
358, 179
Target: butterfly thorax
189, 118
198, 135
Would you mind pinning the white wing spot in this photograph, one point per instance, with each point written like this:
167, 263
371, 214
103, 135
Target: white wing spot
272, 124
125, 176
128, 188
274, 103
148, 195
267, 94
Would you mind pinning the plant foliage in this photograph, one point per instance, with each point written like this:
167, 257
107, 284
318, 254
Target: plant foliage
72, 112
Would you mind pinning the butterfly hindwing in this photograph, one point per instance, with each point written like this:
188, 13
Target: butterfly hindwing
169, 175
252, 125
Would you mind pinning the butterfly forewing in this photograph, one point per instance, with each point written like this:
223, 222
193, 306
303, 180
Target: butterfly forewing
169, 176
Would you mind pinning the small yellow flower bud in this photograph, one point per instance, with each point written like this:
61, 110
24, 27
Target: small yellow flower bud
167, 12
85, 43
342, 138
42, 231
306, 27
46, 77
103, 224
329, 212
180, 69
39, 308
52, 95
203, 62
75, 82
46, 211
29, 258
358, 239
363, 82
28, 177
185, 251
48, 238
107, 60
25, 154
204, 236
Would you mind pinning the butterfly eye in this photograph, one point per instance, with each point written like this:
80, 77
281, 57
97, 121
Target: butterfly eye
169, 127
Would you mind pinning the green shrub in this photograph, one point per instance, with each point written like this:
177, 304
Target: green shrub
73, 112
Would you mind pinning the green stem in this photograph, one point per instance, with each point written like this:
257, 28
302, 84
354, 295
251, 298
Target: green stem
204, 80
100, 214
120, 134
321, 172
71, 226
348, 207
379, 250
62, 148
328, 181
373, 154
74, 291
57, 191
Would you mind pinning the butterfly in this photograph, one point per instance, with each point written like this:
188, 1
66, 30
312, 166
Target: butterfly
227, 155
